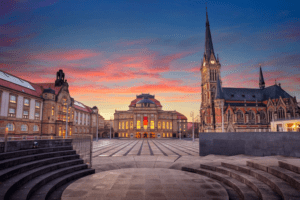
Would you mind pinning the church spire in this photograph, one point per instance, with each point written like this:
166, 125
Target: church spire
219, 92
261, 79
209, 50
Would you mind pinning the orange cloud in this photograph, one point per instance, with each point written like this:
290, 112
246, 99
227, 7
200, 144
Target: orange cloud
70, 55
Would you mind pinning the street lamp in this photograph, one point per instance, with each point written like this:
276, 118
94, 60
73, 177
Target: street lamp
192, 115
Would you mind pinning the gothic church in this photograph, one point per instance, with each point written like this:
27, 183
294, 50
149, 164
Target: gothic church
239, 109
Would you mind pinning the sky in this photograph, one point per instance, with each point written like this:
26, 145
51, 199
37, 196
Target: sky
110, 51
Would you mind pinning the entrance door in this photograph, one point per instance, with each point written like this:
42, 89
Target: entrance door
138, 135
152, 135
145, 135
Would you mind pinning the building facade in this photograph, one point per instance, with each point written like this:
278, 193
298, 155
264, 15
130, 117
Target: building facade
146, 119
43, 108
239, 109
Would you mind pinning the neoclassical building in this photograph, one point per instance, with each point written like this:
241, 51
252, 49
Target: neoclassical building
146, 119
42, 108
239, 109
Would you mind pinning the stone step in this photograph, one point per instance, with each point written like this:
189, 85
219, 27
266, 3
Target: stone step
45, 191
4, 164
292, 178
18, 169
276, 184
244, 191
33, 185
262, 190
20, 153
289, 165
9, 186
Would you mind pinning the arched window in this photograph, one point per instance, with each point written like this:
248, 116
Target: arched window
10, 127
159, 125
35, 128
229, 116
281, 113
138, 124
24, 127
270, 114
262, 117
240, 117
251, 117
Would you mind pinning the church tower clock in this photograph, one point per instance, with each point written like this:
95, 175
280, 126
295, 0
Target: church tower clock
210, 70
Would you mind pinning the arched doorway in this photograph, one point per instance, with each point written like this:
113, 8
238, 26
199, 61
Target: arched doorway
116, 134
145, 135
152, 135
138, 135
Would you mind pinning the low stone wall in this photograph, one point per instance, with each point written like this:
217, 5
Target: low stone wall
250, 143
28, 144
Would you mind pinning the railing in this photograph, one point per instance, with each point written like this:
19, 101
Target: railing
29, 137
83, 144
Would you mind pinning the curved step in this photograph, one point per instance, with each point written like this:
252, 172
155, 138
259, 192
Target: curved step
33, 185
244, 191
45, 191
277, 185
18, 169
16, 161
9, 186
292, 178
20, 153
262, 190
289, 166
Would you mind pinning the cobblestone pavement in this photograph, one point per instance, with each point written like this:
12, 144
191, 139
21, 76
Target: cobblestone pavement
142, 147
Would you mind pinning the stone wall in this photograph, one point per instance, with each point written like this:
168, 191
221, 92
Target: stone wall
250, 143
28, 144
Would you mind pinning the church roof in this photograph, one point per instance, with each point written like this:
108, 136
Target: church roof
250, 94
219, 92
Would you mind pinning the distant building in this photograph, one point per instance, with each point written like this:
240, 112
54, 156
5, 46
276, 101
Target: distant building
146, 119
239, 109
286, 125
41, 108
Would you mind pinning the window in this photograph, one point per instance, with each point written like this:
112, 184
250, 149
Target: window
281, 113
12, 110
240, 117
35, 128
26, 102
36, 115
251, 117
167, 125
126, 125
52, 111
25, 114
10, 127
123, 125
164, 125
164, 135
159, 125
13, 99
70, 132
170, 125
131, 125
138, 124
51, 129
228, 116
270, 115
262, 117
152, 124
119, 125
24, 127
59, 131
37, 104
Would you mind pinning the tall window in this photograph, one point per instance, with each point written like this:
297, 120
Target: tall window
37, 115
240, 117
35, 128
228, 116
37, 104
270, 115
10, 127
123, 125
131, 125
52, 110
159, 125
167, 125
213, 74
126, 125
138, 124
262, 117
70, 131
164, 125
119, 125
152, 124
26, 102
24, 127
25, 114
12, 112
281, 113
251, 117
170, 125
13, 99
59, 131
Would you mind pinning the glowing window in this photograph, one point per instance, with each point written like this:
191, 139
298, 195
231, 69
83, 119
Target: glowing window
164, 135
52, 110
126, 125
126, 134
123, 134
138, 124
64, 132
152, 124
123, 125
167, 125
170, 125
119, 125
167, 134
131, 125
59, 132
164, 125
145, 126
70, 132
159, 125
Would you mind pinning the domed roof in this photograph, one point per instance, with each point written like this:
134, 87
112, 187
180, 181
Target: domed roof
145, 101
49, 90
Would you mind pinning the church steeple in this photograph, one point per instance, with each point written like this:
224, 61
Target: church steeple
261, 79
209, 49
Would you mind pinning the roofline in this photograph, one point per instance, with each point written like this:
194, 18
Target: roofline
21, 91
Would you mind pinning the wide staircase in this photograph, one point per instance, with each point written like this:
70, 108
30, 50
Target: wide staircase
255, 179
35, 174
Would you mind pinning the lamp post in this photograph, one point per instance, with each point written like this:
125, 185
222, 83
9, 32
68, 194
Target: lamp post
192, 115
110, 128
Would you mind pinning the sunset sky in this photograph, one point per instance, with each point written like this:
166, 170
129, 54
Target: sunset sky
113, 50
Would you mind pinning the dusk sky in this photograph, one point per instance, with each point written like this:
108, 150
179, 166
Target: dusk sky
113, 50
